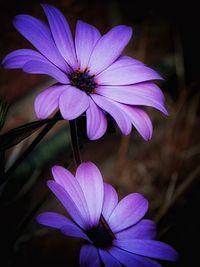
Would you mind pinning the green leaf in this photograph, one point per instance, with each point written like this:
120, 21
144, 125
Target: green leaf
3, 112
16, 135
43, 156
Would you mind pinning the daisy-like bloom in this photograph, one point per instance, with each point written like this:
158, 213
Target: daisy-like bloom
86, 197
92, 74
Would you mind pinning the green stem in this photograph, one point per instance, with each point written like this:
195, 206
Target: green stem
77, 159
75, 144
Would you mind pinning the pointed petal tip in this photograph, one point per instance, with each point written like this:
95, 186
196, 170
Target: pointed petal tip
3, 62
55, 169
160, 77
50, 183
39, 218
45, 6
149, 136
166, 112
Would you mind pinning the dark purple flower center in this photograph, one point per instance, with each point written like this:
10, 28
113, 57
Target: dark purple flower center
83, 80
100, 237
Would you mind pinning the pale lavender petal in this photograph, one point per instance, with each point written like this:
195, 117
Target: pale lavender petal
18, 58
123, 72
145, 94
148, 248
37, 33
129, 61
68, 203
126, 258
47, 101
53, 219
108, 259
139, 119
110, 200
86, 38
109, 48
61, 34
89, 257
96, 121
71, 185
128, 212
73, 102
145, 229
91, 182
41, 67
120, 117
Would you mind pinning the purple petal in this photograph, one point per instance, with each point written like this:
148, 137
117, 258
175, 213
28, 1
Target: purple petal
128, 212
145, 229
108, 259
126, 60
139, 119
37, 33
109, 48
65, 179
89, 257
146, 262
47, 101
61, 34
129, 259
146, 94
62, 223
69, 204
40, 67
53, 219
74, 231
126, 258
73, 102
96, 121
91, 182
18, 58
110, 200
120, 117
148, 248
124, 71
85, 40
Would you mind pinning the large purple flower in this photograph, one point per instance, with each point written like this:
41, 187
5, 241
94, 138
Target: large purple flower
86, 197
92, 74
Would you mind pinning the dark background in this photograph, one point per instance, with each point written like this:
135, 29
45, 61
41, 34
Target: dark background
165, 170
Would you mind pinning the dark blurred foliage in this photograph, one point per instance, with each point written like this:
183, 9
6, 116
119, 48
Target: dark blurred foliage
166, 169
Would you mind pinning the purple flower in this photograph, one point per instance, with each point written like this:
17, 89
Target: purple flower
86, 197
92, 74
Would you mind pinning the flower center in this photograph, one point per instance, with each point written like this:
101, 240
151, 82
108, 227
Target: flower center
83, 80
100, 237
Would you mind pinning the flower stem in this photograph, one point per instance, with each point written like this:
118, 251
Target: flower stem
77, 159
40, 136
75, 144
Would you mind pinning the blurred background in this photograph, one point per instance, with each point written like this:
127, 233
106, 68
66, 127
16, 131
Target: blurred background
166, 169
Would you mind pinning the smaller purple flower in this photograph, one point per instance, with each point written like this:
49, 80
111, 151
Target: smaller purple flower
92, 74
86, 197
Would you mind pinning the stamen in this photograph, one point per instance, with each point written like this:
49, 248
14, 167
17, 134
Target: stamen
100, 237
83, 80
